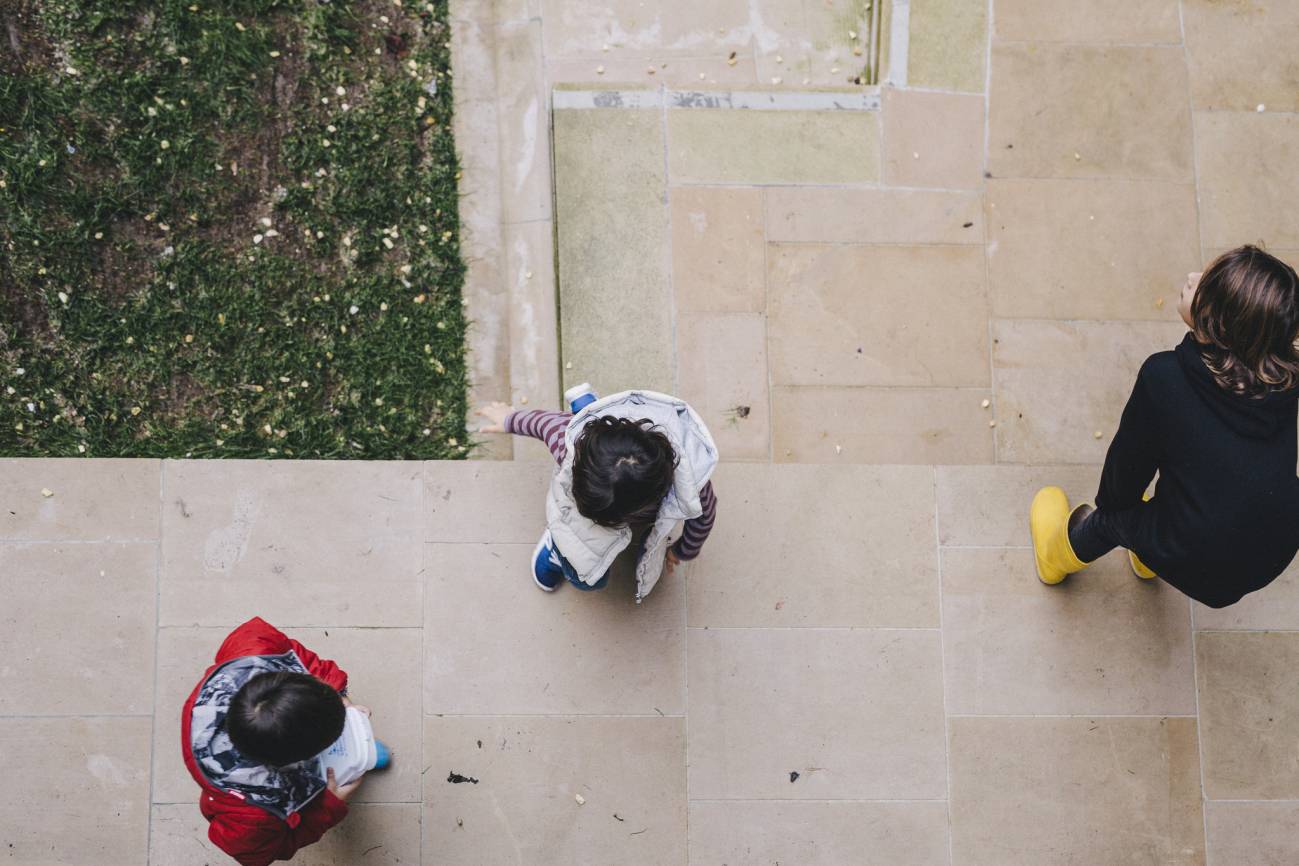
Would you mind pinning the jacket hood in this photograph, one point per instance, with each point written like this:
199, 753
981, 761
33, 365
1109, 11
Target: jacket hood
591, 548
279, 790
1253, 417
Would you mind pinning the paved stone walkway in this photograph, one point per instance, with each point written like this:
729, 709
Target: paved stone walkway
840, 277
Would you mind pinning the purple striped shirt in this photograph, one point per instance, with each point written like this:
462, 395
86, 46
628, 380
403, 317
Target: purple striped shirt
549, 427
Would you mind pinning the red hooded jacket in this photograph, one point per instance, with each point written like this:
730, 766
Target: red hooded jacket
246, 832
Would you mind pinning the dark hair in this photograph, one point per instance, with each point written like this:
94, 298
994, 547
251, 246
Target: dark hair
1246, 315
285, 717
622, 469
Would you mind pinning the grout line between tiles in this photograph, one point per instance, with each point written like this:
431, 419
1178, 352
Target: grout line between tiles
76, 715
1195, 673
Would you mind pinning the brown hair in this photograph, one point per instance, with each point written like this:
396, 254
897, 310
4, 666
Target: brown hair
622, 469
1246, 315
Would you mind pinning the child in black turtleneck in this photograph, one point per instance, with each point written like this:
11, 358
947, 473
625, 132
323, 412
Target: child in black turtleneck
1216, 418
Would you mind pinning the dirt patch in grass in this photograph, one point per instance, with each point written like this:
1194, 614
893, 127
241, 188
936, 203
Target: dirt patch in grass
229, 230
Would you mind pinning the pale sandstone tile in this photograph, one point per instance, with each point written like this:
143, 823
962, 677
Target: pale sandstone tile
1130, 246
1249, 178
76, 790
723, 363
534, 313
1242, 54
78, 634
90, 500
1102, 642
1089, 111
987, 506
759, 146
873, 216
948, 45
664, 26
483, 502
1040, 792
1275, 606
867, 315
1060, 383
718, 253
524, 122
879, 425
299, 543
383, 667
933, 139
1253, 834
564, 652
1147, 21
530, 771
1249, 711
857, 713
825, 833
797, 41
632, 68
375, 834
863, 538
615, 287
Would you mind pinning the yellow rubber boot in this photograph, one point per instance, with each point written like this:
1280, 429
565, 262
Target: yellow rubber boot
1048, 519
1139, 568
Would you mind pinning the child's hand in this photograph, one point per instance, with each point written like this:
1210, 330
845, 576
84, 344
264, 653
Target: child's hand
495, 413
673, 560
347, 702
341, 792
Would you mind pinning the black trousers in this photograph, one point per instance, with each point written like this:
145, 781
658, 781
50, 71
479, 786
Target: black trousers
1100, 532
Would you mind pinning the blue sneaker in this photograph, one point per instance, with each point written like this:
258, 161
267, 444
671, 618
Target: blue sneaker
547, 573
579, 397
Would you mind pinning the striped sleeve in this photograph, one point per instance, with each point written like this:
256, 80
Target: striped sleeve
696, 530
549, 427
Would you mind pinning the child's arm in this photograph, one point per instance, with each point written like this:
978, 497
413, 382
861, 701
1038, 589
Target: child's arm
696, 529
549, 427
258, 637
1133, 456
257, 838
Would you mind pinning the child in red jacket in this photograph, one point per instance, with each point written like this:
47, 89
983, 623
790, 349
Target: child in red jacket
250, 733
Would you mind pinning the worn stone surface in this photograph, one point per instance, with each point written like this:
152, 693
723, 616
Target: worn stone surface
1248, 713
948, 45
614, 339
1089, 111
1133, 791
758, 146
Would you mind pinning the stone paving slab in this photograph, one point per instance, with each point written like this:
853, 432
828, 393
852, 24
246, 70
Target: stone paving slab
623, 339
98, 601
89, 500
296, 540
1133, 793
815, 714
524, 808
77, 790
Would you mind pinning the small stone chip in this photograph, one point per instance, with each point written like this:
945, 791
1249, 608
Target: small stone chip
580, 799
46, 492
986, 403
992, 423
1098, 434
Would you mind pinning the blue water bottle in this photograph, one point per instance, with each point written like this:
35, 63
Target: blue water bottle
579, 397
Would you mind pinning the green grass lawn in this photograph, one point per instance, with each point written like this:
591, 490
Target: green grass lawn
228, 228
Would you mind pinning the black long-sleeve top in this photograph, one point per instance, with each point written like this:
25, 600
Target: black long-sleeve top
1224, 520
